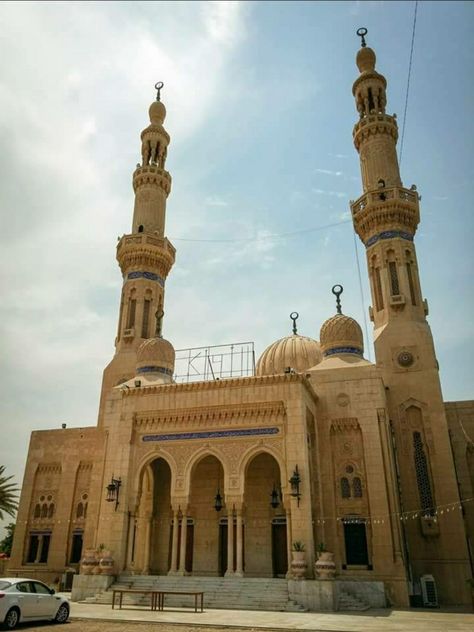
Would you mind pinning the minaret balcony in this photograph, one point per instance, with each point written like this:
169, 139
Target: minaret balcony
147, 252
375, 123
388, 211
152, 174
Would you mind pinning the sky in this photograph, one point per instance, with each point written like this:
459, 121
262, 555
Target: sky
260, 114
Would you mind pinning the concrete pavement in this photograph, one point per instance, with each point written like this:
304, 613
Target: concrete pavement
368, 621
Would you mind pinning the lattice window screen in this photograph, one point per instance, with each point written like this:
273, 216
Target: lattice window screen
345, 488
392, 266
422, 475
357, 487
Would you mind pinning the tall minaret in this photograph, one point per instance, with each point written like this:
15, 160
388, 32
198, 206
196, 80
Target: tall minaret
145, 256
385, 218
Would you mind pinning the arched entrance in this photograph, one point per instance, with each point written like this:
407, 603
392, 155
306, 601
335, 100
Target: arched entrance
207, 479
159, 500
265, 520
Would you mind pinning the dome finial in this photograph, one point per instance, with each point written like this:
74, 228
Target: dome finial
337, 290
158, 86
362, 32
294, 317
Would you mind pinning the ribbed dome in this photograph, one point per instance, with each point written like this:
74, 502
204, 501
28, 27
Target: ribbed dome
366, 59
341, 334
298, 352
155, 355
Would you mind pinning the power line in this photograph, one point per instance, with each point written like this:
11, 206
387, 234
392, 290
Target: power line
268, 236
408, 81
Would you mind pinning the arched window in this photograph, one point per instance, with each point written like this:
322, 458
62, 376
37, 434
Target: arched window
44, 511
37, 513
422, 475
357, 487
80, 510
140, 228
51, 510
345, 488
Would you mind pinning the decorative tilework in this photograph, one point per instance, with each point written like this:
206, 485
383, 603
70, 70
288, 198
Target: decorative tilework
155, 369
355, 350
143, 274
388, 234
213, 434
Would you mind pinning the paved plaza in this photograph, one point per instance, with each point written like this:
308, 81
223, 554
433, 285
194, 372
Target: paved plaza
100, 618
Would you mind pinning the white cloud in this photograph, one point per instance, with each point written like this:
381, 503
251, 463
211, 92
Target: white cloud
328, 172
337, 194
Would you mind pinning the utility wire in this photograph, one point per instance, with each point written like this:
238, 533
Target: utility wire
263, 237
408, 81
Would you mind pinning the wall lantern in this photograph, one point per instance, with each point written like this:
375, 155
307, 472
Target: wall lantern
218, 501
113, 491
295, 481
275, 497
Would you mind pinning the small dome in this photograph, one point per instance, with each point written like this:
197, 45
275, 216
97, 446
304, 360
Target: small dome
365, 59
298, 352
341, 334
156, 355
157, 113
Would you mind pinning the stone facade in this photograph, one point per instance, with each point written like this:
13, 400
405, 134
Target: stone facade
320, 446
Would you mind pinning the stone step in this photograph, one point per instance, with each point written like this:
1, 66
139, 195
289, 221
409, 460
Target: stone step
347, 601
219, 592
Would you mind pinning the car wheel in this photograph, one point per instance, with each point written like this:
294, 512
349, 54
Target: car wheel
62, 615
11, 620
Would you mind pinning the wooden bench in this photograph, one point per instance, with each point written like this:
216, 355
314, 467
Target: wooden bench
154, 596
157, 597
196, 595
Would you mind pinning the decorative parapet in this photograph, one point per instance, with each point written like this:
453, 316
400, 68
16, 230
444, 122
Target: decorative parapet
152, 175
241, 382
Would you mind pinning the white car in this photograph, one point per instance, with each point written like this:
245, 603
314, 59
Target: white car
23, 600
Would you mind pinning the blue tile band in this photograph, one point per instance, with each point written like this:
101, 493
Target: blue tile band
388, 234
212, 434
143, 274
335, 350
155, 369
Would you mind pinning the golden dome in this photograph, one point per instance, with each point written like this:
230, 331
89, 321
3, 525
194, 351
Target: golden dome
341, 334
366, 59
157, 113
297, 352
155, 355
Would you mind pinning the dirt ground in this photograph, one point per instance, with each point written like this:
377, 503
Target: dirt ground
88, 625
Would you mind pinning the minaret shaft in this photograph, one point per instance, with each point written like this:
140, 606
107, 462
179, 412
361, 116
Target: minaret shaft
145, 256
386, 217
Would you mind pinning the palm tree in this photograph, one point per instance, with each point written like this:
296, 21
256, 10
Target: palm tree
8, 497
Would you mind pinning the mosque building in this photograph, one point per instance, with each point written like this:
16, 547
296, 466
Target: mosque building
317, 448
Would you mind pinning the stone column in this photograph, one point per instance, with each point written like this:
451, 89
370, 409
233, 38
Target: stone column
239, 572
146, 564
174, 545
130, 545
182, 552
289, 574
230, 544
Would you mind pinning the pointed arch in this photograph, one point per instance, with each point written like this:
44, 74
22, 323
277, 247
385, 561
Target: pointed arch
248, 457
197, 457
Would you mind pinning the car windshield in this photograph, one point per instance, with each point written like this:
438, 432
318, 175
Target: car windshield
4, 584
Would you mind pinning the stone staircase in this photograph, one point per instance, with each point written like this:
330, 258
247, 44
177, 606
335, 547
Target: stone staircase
348, 601
229, 593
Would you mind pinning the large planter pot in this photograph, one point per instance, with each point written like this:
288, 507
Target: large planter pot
90, 562
106, 563
324, 567
299, 565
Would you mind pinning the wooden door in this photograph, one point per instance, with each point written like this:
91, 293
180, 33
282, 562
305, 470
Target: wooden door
279, 550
